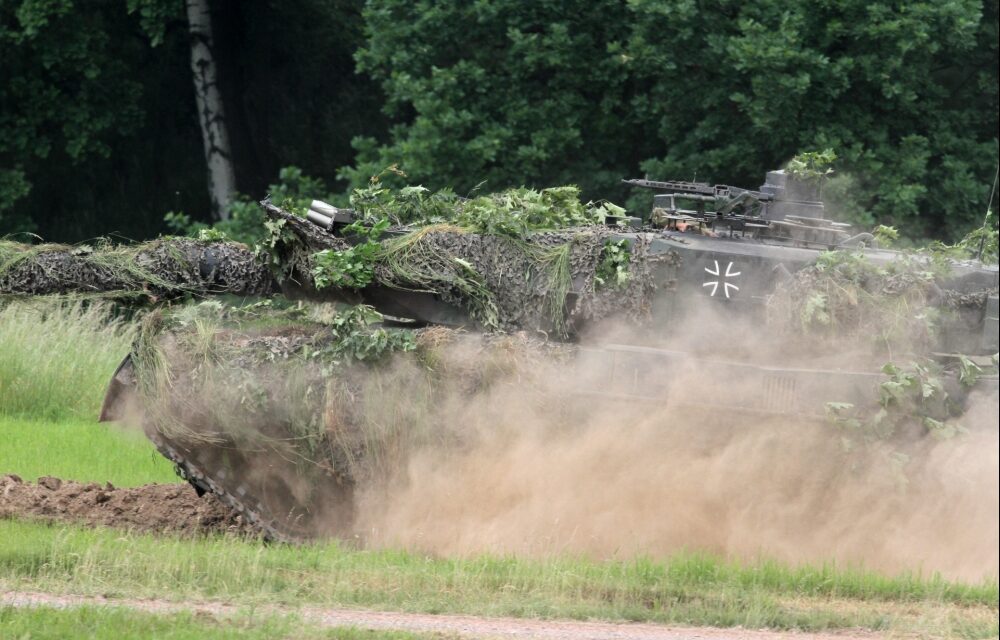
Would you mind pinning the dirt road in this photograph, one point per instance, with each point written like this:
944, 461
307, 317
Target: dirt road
464, 626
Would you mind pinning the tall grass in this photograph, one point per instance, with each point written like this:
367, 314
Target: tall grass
56, 358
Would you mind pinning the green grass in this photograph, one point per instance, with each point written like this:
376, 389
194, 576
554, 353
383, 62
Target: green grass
688, 589
50, 623
81, 450
56, 359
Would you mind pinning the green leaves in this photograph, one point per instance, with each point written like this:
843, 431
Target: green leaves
885, 235
268, 249
968, 371
516, 212
918, 388
356, 338
982, 242
814, 310
613, 269
508, 92
812, 166
354, 267
13, 186
408, 205
892, 304
246, 223
912, 395
154, 15
513, 212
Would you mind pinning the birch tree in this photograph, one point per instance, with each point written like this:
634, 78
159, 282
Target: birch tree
211, 114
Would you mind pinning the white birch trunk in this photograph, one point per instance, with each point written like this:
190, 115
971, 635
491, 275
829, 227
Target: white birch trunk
211, 115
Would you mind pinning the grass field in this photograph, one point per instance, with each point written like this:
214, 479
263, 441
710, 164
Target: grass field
56, 360
50, 623
81, 450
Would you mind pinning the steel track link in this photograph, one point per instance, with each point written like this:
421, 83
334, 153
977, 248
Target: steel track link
257, 516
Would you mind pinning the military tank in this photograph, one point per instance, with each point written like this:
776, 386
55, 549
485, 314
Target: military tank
701, 300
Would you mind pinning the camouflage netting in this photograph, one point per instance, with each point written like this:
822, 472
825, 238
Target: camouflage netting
545, 281
293, 400
164, 268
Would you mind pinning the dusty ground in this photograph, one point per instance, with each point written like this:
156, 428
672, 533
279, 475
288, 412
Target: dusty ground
153, 508
465, 626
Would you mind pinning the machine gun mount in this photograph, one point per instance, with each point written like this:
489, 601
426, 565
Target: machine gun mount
785, 209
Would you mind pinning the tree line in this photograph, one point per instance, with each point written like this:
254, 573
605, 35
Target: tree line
115, 113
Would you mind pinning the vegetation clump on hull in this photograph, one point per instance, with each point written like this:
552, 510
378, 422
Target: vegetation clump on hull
900, 307
520, 259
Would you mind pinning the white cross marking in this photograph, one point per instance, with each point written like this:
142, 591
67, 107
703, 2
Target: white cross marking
715, 283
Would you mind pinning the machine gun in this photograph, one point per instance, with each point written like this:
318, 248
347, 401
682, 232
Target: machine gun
784, 209
714, 205
719, 192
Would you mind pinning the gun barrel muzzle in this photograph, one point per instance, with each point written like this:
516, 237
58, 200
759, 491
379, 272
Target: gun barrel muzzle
325, 208
319, 219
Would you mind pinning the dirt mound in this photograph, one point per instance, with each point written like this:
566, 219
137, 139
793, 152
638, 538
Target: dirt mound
152, 508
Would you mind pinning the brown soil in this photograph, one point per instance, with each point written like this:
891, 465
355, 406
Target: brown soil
152, 508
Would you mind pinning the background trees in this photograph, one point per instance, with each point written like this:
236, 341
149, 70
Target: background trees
587, 92
99, 132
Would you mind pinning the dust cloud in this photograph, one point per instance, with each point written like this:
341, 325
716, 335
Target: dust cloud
510, 446
609, 478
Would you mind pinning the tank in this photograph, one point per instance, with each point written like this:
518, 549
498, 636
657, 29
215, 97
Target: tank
701, 298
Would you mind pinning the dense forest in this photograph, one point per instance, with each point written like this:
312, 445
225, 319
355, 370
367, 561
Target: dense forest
112, 112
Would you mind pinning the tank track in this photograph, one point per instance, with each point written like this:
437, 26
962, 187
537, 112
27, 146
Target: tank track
239, 499
199, 474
